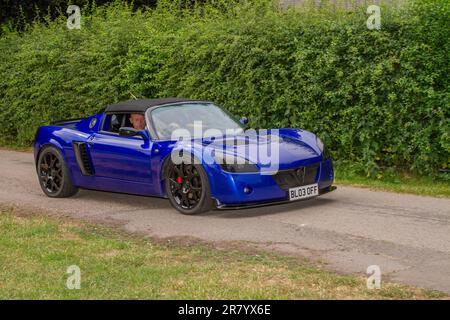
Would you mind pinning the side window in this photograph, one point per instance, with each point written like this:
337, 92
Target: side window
113, 122
127, 122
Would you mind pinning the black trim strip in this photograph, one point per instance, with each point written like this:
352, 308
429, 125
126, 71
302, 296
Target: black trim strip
61, 122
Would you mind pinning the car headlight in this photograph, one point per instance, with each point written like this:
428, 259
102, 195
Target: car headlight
235, 164
325, 153
320, 144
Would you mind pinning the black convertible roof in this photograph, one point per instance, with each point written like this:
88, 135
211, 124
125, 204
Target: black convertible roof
142, 105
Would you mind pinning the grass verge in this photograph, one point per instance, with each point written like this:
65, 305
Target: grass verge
395, 182
36, 250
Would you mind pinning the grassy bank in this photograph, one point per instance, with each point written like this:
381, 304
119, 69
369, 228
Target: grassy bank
400, 182
36, 250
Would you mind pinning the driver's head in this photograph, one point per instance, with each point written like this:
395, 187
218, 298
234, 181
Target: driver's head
138, 121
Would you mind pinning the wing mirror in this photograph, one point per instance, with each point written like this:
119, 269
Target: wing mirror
131, 132
243, 120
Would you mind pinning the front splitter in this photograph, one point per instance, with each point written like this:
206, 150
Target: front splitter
270, 203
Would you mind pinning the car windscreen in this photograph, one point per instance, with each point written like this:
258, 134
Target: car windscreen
194, 120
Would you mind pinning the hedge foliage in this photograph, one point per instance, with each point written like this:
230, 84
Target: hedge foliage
377, 98
18, 14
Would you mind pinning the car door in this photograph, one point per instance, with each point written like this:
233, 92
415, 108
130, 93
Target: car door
121, 158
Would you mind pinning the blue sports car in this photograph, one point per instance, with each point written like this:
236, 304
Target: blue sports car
192, 152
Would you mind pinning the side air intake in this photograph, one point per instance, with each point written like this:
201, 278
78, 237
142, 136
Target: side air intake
82, 156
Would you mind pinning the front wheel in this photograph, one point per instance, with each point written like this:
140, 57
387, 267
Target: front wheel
187, 188
54, 176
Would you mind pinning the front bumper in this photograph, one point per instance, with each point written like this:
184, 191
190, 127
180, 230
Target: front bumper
231, 190
270, 203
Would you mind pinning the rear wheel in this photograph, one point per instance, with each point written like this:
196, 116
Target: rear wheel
54, 176
187, 188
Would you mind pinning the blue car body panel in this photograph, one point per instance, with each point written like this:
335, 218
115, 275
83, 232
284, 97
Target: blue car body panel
134, 165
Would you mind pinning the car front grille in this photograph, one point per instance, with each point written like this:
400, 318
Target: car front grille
296, 177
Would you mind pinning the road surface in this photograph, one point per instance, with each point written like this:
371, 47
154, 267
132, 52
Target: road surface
407, 236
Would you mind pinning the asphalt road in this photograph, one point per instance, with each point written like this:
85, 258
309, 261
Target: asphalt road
407, 236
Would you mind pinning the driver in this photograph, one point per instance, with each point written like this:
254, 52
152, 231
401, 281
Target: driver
138, 121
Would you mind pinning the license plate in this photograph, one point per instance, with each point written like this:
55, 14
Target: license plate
304, 192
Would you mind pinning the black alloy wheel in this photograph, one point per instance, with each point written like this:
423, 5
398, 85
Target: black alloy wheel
187, 188
54, 177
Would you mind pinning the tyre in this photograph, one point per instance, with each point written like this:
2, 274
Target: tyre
187, 188
54, 176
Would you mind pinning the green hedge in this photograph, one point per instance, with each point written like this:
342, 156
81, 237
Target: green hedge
379, 99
